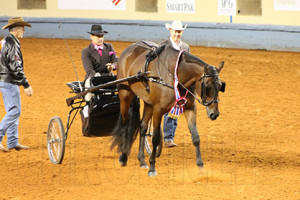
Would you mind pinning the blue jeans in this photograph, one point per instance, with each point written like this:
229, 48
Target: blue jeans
10, 122
169, 128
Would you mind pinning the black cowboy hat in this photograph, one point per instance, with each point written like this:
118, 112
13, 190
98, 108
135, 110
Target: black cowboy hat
97, 30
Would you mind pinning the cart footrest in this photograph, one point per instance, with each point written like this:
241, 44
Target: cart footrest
76, 86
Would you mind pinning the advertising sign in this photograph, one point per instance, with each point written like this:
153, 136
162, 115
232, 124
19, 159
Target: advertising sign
227, 7
287, 5
92, 4
180, 6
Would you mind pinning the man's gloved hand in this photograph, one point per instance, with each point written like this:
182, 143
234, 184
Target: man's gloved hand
109, 66
97, 74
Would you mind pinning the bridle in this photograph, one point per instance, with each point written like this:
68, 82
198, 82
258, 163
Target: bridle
204, 87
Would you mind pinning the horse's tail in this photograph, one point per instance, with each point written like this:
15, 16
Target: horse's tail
125, 133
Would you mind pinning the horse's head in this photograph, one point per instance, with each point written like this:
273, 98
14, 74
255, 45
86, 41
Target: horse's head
208, 87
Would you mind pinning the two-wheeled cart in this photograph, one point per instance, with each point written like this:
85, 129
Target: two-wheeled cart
98, 115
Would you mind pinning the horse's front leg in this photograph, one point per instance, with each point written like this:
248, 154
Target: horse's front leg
191, 121
155, 142
143, 130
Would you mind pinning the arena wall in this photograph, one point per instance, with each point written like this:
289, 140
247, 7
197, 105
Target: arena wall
269, 29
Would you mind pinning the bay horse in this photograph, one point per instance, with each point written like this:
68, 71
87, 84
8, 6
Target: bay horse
194, 76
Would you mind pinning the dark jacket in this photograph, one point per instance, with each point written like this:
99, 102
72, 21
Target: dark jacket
184, 46
11, 62
93, 62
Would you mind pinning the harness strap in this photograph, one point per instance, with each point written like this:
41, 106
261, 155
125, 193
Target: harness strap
155, 51
159, 81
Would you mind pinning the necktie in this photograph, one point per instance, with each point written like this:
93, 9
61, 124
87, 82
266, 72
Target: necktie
99, 49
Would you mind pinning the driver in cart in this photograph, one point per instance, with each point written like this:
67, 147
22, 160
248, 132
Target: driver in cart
98, 59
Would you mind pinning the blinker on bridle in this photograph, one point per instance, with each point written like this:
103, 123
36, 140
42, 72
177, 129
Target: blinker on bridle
203, 89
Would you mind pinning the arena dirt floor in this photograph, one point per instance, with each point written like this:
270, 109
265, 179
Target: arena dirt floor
250, 152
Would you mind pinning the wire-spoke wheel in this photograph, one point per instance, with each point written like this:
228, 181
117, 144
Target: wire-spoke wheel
148, 141
56, 140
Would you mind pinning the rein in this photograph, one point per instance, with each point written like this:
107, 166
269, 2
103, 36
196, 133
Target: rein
70, 55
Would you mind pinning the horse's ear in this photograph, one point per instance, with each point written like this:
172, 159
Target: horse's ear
221, 65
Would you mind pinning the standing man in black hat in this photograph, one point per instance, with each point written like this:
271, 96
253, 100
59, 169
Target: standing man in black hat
99, 58
11, 77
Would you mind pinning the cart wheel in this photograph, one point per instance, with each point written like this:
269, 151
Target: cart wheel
56, 140
148, 142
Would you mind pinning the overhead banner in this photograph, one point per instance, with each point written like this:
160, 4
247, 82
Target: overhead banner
92, 4
292, 5
227, 7
180, 6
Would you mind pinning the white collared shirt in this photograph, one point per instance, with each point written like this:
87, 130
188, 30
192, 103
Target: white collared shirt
175, 46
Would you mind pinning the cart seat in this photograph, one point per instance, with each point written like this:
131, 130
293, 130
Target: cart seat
110, 90
95, 81
76, 86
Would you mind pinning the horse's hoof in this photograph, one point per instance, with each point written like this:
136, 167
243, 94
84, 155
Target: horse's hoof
200, 164
152, 173
202, 171
123, 164
145, 166
123, 160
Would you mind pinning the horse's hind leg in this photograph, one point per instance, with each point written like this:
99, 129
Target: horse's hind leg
125, 96
191, 121
148, 110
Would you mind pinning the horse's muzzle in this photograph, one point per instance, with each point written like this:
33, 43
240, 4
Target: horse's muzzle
214, 115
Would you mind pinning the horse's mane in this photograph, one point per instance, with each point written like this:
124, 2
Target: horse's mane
191, 58
146, 44
188, 56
